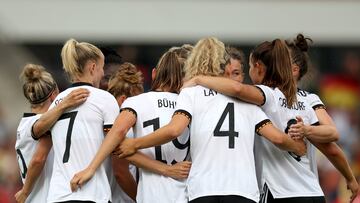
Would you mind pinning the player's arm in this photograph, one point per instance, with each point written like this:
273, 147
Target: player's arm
177, 171
161, 136
47, 120
123, 176
114, 137
248, 93
335, 154
323, 133
337, 157
280, 139
35, 168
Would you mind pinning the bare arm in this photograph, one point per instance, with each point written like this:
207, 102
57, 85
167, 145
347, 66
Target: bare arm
323, 133
282, 140
337, 157
177, 171
335, 154
248, 93
163, 135
114, 137
48, 119
123, 176
35, 167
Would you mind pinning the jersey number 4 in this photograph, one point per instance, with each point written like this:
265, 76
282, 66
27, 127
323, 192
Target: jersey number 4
231, 133
71, 116
156, 125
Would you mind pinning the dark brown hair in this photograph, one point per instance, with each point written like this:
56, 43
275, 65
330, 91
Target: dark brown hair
298, 52
169, 73
276, 58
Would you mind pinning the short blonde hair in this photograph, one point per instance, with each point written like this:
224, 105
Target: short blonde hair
38, 84
75, 55
206, 58
127, 81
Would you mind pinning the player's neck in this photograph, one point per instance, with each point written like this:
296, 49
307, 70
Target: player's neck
41, 108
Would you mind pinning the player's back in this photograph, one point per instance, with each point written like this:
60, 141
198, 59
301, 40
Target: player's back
25, 147
154, 110
298, 178
222, 133
77, 136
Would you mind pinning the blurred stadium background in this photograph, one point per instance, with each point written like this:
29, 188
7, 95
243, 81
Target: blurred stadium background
140, 30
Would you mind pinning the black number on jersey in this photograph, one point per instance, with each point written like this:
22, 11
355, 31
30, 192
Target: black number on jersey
231, 133
71, 116
24, 169
292, 154
158, 154
156, 125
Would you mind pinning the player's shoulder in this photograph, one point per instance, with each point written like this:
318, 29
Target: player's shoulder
138, 100
309, 96
196, 90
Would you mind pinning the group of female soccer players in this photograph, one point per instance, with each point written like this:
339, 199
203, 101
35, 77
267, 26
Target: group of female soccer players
199, 135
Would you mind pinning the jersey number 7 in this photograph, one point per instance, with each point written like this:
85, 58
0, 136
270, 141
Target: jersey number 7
71, 116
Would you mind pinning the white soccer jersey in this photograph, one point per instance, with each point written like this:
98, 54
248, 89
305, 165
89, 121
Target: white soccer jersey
25, 147
315, 102
154, 110
286, 174
312, 99
77, 136
222, 137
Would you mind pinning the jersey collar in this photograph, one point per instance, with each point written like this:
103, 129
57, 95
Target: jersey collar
76, 84
28, 114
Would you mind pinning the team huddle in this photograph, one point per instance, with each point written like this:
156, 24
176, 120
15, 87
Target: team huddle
199, 135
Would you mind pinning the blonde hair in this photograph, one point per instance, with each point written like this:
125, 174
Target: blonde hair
206, 58
75, 55
126, 81
169, 73
182, 52
38, 84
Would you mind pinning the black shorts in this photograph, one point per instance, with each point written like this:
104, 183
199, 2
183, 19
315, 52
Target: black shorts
267, 197
77, 201
222, 199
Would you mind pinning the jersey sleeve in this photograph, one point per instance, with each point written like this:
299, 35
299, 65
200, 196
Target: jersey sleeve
260, 119
313, 118
110, 112
129, 105
268, 95
315, 102
184, 104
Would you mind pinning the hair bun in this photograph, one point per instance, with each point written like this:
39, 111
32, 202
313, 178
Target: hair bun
32, 72
301, 42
